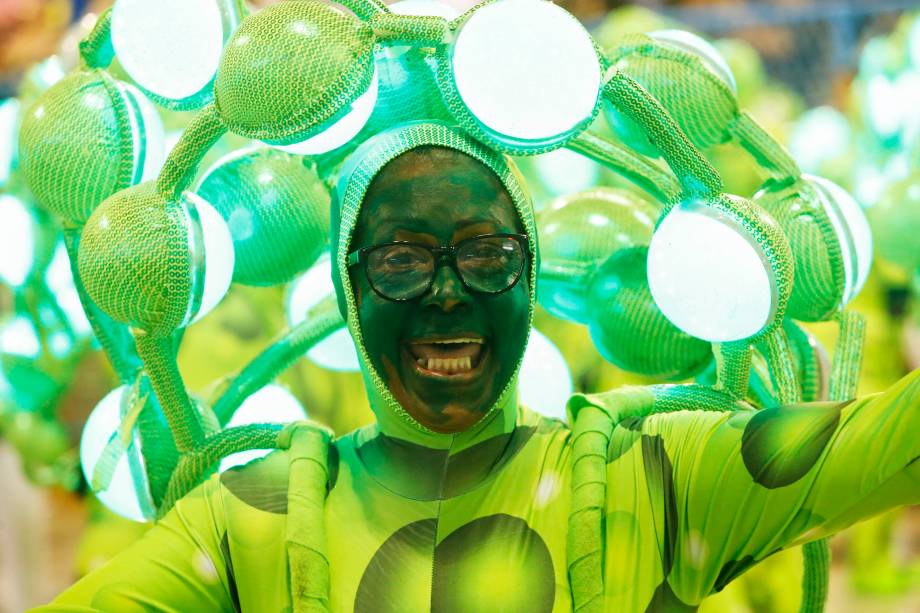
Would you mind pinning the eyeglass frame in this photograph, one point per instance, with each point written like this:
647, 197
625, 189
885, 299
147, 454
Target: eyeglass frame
359, 256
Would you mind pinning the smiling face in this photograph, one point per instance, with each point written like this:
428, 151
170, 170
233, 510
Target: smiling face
446, 355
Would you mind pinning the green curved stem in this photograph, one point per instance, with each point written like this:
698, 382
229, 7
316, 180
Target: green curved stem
409, 29
113, 337
320, 322
696, 175
621, 160
768, 153
460, 19
96, 49
180, 167
782, 371
160, 363
733, 367
847, 356
194, 464
365, 9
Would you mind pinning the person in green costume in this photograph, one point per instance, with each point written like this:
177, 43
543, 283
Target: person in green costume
459, 498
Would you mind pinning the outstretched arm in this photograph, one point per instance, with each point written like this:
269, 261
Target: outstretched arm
177, 566
695, 498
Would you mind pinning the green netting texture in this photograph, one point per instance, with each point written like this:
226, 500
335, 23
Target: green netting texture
817, 559
277, 210
819, 270
354, 180
365, 9
182, 163
135, 259
76, 147
290, 67
699, 101
649, 177
769, 154
696, 175
96, 49
733, 367
392, 28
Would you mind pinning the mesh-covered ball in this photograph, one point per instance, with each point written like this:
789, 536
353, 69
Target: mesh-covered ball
143, 258
277, 210
630, 331
695, 96
291, 67
577, 233
76, 146
895, 221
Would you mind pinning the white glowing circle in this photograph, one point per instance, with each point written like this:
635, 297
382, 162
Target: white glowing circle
342, 130
9, 114
218, 255
882, 105
121, 496
853, 233
19, 337
170, 47
526, 69
59, 279
336, 351
545, 382
17, 240
271, 404
701, 48
819, 135
563, 171
431, 8
707, 277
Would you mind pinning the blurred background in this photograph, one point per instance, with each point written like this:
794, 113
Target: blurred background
836, 81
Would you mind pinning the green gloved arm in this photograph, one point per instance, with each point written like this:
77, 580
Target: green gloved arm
177, 566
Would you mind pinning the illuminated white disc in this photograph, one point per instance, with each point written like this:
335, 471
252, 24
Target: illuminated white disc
853, 233
431, 8
342, 130
17, 240
545, 383
218, 254
169, 47
708, 277
337, 351
564, 172
820, 134
701, 48
271, 404
9, 114
121, 496
526, 69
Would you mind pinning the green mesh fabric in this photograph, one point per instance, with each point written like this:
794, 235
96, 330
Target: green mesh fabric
391, 28
819, 270
135, 259
96, 49
76, 146
768, 153
291, 67
276, 208
697, 99
182, 162
354, 180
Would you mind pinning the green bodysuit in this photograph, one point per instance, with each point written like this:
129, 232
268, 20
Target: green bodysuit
478, 521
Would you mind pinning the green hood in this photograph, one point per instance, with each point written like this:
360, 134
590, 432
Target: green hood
354, 179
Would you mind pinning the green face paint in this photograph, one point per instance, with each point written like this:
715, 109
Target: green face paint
436, 197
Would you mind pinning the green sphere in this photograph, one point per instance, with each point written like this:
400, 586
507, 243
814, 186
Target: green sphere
277, 210
578, 232
630, 331
895, 222
136, 260
76, 147
291, 67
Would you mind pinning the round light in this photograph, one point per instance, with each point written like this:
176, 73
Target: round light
273, 405
545, 382
336, 351
17, 240
341, 131
526, 69
819, 135
122, 494
701, 48
563, 171
171, 47
19, 337
853, 232
707, 277
219, 257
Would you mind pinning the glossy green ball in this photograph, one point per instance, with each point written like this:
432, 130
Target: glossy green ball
277, 210
630, 331
895, 221
577, 233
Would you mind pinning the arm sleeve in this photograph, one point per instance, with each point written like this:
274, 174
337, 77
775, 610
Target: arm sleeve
717, 492
177, 566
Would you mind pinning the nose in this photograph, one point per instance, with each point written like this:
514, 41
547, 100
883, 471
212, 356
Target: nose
447, 291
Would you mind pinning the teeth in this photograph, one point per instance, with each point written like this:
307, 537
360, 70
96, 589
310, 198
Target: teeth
455, 341
446, 364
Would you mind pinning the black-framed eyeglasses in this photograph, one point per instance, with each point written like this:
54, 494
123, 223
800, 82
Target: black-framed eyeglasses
403, 270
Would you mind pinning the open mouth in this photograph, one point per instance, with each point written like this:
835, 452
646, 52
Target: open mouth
456, 357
